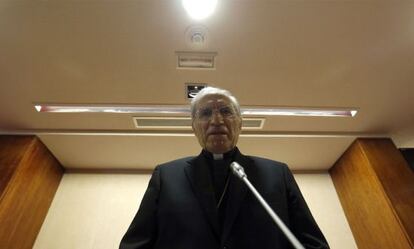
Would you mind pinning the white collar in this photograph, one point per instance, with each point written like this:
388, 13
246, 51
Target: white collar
218, 156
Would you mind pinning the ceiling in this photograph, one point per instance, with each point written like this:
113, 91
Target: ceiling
294, 53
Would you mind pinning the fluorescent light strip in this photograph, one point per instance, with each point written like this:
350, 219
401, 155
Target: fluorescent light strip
299, 112
114, 109
313, 112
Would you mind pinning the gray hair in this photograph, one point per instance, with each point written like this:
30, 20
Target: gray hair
213, 91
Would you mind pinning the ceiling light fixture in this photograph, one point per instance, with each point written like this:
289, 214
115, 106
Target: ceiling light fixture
113, 109
199, 9
185, 110
288, 111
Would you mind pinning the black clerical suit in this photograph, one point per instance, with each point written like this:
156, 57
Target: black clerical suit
179, 209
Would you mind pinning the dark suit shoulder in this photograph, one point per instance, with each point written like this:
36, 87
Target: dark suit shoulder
265, 162
175, 164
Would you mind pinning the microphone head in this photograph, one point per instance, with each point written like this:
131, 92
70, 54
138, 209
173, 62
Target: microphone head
238, 170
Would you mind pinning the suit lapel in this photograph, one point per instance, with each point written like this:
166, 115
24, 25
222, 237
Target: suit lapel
236, 193
199, 176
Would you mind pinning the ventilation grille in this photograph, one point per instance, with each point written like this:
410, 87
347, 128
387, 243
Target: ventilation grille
200, 60
185, 123
253, 123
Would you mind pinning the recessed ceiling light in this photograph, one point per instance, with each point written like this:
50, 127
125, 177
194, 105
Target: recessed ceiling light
185, 110
199, 9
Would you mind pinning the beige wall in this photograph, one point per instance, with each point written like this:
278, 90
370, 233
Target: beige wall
320, 194
94, 210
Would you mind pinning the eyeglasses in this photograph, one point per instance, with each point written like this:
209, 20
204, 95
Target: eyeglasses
207, 112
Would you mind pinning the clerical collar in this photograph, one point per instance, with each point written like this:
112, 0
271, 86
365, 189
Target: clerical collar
218, 156
226, 156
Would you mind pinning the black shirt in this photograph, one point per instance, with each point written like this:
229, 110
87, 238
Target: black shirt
220, 174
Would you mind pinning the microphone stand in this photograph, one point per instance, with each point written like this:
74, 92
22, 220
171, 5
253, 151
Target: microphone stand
239, 171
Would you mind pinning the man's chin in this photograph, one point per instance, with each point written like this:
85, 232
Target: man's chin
219, 148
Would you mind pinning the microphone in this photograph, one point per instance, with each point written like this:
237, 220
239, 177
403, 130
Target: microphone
239, 172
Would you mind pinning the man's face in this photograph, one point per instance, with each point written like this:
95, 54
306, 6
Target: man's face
216, 124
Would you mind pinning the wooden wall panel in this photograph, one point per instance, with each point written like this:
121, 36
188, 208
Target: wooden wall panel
373, 183
396, 178
29, 190
12, 150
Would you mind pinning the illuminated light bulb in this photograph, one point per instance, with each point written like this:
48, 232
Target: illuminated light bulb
199, 9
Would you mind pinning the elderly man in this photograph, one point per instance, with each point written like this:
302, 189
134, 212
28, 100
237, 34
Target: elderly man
196, 203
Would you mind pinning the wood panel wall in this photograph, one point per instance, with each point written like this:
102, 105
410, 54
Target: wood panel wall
29, 177
376, 188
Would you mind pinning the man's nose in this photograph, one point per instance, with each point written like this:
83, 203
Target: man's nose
216, 117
